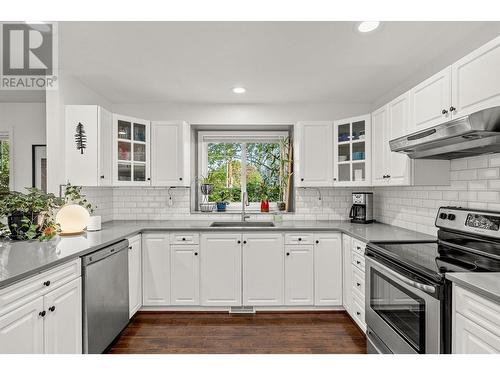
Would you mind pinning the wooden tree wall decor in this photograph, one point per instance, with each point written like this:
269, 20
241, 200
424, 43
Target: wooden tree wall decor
80, 138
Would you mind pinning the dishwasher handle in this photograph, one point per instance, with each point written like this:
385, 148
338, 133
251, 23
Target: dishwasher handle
104, 253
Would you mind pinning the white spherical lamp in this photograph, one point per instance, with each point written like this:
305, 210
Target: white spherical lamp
72, 219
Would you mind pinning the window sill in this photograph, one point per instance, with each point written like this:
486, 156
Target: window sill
238, 212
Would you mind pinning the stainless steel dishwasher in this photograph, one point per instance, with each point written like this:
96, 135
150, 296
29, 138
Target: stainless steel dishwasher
105, 296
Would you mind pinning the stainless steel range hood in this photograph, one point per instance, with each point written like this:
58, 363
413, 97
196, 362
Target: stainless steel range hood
475, 134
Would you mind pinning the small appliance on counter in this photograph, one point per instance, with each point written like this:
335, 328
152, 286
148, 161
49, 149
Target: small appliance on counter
362, 208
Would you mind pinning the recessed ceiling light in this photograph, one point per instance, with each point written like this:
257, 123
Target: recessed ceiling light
239, 90
367, 26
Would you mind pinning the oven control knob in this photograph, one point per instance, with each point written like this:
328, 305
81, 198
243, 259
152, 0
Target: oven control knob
451, 217
443, 216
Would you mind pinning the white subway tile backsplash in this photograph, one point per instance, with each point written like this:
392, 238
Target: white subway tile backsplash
488, 173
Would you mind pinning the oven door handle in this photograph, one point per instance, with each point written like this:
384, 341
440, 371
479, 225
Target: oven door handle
420, 286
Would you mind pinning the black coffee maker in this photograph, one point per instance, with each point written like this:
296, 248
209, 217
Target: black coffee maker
362, 208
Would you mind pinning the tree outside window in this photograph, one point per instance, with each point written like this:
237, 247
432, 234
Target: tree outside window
4, 166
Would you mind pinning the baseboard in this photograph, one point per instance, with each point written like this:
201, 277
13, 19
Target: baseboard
227, 309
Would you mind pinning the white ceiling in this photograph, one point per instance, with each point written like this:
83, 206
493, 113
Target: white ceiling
136, 62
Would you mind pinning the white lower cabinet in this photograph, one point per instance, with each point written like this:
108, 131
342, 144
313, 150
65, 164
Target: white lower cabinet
63, 319
21, 330
43, 314
135, 274
220, 269
184, 275
328, 269
346, 272
476, 323
263, 269
156, 269
299, 275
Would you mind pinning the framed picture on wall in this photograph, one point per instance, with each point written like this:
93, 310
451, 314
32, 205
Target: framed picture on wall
39, 166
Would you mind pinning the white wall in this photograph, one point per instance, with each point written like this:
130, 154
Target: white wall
71, 91
196, 113
26, 121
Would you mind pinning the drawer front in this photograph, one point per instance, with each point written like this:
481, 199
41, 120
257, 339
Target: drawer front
185, 238
134, 239
358, 261
358, 246
22, 292
358, 282
358, 309
299, 239
478, 309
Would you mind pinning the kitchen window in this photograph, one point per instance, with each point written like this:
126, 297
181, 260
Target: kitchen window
238, 161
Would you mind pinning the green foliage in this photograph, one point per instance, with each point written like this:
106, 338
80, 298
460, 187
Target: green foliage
37, 210
4, 166
73, 195
262, 174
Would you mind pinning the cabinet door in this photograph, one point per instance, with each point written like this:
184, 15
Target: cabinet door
131, 165
380, 147
471, 338
315, 154
168, 162
135, 275
328, 269
63, 322
185, 275
156, 269
430, 101
21, 330
220, 271
475, 80
105, 141
81, 167
347, 272
263, 269
299, 277
400, 171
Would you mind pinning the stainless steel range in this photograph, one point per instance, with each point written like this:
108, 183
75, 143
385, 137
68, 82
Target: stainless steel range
408, 304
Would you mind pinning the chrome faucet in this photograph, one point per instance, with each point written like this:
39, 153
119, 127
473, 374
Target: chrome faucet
244, 203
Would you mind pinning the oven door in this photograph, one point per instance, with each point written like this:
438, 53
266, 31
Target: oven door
402, 312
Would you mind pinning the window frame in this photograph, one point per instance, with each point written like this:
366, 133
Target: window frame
7, 135
243, 137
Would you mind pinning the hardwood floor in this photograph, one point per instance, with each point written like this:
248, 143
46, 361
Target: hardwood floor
262, 333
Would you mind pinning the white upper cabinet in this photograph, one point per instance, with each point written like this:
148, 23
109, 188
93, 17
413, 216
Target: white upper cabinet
430, 101
352, 151
131, 165
263, 269
380, 147
476, 80
398, 118
220, 269
91, 166
314, 154
170, 153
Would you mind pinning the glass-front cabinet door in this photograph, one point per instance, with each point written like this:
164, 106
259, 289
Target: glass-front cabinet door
352, 151
131, 154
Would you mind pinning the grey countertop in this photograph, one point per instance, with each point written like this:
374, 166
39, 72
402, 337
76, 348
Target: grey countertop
21, 259
485, 283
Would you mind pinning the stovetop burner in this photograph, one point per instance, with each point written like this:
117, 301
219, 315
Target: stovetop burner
461, 246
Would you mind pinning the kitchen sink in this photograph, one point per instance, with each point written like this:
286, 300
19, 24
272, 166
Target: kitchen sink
242, 224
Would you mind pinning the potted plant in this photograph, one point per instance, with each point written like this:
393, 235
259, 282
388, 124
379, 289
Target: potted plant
206, 184
286, 163
223, 196
29, 215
